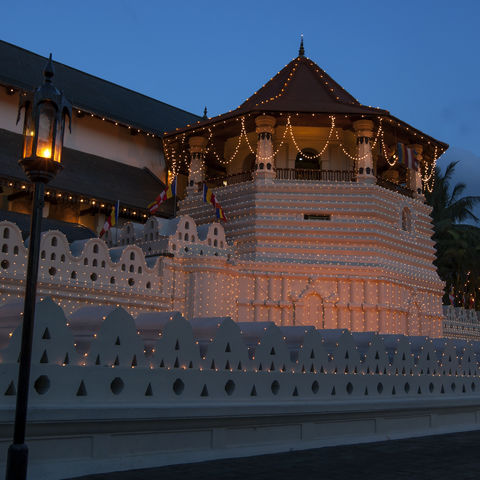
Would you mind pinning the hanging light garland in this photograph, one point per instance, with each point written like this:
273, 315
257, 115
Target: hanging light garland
390, 157
429, 179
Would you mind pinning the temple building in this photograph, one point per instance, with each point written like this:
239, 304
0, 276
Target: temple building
327, 221
115, 147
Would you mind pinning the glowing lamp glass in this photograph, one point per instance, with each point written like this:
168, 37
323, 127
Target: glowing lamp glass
28, 133
46, 124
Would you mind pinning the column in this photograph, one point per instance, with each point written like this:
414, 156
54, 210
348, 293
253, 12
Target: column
330, 314
196, 171
415, 176
364, 133
264, 162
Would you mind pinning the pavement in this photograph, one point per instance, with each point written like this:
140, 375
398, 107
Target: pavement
442, 457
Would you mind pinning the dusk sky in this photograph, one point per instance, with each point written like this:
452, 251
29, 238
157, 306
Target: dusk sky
417, 59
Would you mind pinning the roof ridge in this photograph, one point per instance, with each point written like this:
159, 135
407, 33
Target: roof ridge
90, 75
98, 78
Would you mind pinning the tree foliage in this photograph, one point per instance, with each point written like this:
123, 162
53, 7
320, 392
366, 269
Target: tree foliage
457, 243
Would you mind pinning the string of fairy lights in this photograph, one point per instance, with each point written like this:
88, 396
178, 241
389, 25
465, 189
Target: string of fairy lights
266, 286
178, 158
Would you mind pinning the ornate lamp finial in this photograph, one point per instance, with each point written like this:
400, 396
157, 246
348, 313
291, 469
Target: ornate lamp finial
205, 113
301, 50
49, 70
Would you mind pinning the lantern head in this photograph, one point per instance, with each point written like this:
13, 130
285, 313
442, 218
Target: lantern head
45, 114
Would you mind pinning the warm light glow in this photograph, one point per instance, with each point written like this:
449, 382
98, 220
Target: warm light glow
45, 153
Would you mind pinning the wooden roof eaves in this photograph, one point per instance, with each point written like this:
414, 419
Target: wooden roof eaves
429, 139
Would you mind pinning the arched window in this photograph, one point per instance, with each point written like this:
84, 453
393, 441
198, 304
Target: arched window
186, 237
132, 256
187, 225
406, 220
95, 249
6, 233
308, 159
54, 241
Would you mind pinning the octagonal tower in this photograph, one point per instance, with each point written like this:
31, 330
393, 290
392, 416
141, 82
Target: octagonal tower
325, 206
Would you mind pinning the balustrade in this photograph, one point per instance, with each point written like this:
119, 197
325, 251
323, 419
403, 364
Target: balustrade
315, 175
395, 187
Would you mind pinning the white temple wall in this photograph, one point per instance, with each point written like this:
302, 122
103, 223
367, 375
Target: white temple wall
285, 293
326, 387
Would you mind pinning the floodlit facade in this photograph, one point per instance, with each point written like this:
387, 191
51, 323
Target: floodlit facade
327, 222
316, 300
329, 226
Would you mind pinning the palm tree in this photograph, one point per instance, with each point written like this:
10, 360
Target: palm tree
458, 245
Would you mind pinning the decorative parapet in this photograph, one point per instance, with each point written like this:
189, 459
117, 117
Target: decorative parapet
90, 271
216, 358
461, 323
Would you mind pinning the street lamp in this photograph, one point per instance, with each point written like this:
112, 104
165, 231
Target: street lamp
45, 112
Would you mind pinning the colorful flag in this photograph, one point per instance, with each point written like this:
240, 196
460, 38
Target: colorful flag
220, 214
110, 221
407, 156
209, 197
169, 192
117, 211
451, 296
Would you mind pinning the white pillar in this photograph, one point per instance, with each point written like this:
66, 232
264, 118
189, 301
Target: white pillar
196, 171
415, 176
265, 162
364, 132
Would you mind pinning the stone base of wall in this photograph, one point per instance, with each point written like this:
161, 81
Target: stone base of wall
68, 442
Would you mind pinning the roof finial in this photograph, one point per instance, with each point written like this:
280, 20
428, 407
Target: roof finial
49, 71
205, 116
301, 50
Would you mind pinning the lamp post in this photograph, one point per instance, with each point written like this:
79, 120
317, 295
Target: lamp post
45, 112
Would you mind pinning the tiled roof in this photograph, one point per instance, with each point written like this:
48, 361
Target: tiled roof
22, 69
302, 86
